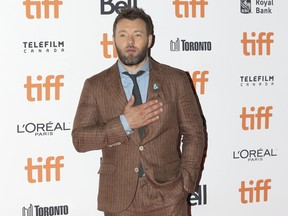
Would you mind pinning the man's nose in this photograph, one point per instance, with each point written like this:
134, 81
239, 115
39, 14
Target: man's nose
130, 40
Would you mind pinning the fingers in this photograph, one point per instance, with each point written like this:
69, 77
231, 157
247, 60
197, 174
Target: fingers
142, 115
150, 120
150, 111
153, 110
152, 103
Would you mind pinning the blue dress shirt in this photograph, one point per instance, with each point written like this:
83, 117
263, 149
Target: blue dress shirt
127, 83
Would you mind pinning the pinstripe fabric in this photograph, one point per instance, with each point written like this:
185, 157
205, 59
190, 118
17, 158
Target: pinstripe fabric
149, 202
97, 126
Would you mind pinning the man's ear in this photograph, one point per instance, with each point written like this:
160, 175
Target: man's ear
150, 40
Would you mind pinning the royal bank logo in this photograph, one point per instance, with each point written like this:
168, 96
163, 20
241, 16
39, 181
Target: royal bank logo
43, 128
39, 47
256, 6
254, 155
194, 46
38, 210
245, 6
257, 81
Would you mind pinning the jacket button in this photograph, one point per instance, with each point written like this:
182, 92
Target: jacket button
141, 148
136, 170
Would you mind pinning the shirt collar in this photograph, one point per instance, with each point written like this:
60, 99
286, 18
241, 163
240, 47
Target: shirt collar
145, 67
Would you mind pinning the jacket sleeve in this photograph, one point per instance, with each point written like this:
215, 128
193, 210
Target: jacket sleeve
193, 134
89, 131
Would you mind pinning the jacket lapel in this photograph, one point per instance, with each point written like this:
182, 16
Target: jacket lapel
155, 85
155, 91
115, 88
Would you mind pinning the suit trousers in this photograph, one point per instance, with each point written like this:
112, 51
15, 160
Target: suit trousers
148, 201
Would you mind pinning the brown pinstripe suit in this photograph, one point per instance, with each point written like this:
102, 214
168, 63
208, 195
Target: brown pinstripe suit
97, 126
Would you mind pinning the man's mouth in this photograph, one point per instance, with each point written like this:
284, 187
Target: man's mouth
131, 50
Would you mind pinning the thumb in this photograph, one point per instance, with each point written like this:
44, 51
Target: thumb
131, 101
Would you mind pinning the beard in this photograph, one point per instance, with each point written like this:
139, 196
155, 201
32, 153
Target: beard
132, 60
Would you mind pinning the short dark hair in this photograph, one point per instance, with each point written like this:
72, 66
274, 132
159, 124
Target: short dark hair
132, 14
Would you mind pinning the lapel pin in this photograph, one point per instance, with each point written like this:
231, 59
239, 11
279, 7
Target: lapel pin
155, 86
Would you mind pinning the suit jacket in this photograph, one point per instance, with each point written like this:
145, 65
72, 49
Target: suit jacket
171, 149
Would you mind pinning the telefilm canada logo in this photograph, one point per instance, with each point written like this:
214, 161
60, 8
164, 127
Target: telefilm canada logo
257, 80
253, 155
195, 46
40, 47
256, 6
43, 128
38, 210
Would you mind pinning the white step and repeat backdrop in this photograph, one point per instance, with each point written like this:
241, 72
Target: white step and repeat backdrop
236, 53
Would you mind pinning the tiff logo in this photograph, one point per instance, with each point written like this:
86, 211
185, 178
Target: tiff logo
248, 120
109, 50
255, 193
35, 172
254, 46
39, 5
50, 82
199, 77
182, 8
27, 211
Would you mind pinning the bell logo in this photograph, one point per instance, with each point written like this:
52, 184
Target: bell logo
108, 7
108, 47
255, 193
200, 78
254, 46
181, 5
199, 197
50, 82
46, 4
248, 120
35, 172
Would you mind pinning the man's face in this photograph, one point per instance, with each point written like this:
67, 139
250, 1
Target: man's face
131, 41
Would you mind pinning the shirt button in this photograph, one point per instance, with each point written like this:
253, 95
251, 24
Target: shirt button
141, 148
136, 170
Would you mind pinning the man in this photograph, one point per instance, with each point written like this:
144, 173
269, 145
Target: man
142, 171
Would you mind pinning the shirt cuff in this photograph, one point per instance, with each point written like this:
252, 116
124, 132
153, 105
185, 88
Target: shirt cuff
125, 124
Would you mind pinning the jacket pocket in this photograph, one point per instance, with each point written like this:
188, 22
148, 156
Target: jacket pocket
166, 173
106, 169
